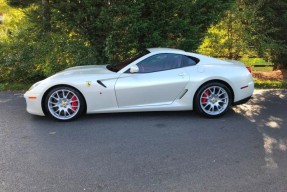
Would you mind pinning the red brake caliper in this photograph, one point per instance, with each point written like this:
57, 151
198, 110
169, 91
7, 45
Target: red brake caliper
204, 98
74, 103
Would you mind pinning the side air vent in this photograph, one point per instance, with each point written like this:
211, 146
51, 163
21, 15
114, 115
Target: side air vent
101, 83
183, 93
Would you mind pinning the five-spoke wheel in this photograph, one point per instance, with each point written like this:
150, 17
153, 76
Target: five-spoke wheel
213, 99
64, 103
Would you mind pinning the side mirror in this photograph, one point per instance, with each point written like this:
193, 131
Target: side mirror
134, 69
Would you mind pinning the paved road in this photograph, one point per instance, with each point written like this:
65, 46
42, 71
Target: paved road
246, 150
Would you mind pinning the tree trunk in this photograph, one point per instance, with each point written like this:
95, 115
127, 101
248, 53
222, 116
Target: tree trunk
46, 15
275, 66
230, 35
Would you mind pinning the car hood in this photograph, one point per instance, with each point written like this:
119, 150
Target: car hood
88, 69
83, 71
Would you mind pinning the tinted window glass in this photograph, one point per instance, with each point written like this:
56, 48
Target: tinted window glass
160, 62
119, 66
189, 61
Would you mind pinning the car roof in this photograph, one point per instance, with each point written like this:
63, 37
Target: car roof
165, 50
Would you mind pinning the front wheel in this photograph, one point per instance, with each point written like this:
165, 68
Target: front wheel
212, 100
64, 103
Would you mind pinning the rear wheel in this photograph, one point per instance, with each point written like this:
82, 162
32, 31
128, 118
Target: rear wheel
213, 100
64, 103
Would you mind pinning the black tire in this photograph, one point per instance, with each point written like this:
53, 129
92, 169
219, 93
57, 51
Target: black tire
68, 108
205, 102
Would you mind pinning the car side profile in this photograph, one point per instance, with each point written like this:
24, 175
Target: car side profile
157, 79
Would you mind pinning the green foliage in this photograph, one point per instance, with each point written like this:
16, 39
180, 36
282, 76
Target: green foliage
267, 84
39, 38
26, 61
28, 54
43, 37
250, 28
136, 25
119, 28
12, 20
274, 26
231, 37
21, 3
254, 61
14, 86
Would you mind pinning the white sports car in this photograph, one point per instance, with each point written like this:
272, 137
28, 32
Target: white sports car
158, 79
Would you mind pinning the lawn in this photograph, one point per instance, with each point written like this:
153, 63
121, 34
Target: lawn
253, 62
14, 86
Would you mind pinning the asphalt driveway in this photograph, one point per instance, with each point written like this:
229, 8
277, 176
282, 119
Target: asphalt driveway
246, 150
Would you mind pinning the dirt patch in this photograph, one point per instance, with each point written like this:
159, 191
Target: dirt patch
270, 75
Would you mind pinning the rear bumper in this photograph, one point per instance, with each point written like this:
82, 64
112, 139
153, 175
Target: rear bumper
242, 101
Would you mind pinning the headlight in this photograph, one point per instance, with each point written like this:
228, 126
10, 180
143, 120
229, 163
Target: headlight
35, 85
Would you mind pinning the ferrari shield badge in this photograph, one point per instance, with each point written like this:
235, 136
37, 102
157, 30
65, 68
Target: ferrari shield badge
88, 83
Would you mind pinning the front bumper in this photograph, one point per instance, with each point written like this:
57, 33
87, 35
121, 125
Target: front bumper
34, 103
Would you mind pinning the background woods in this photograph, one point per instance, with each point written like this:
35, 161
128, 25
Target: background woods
41, 37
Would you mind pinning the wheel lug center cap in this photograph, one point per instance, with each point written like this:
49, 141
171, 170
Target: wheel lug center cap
63, 104
213, 100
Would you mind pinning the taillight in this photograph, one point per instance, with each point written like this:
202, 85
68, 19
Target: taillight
249, 69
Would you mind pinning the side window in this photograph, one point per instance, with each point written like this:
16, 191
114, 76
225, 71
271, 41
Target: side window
189, 61
160, 62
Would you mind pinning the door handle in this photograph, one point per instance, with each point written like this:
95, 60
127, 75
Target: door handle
181, 74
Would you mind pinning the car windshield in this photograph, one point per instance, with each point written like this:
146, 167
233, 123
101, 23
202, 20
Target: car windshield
121, 65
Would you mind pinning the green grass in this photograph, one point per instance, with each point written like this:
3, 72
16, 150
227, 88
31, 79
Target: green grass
251, 62
261, 68
14, 86
267, 84
254, 61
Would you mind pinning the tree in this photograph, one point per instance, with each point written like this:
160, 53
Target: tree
252, 28
135, 25
46, 15
63, 33
84, 18
30, 52
44, 12
117, 28
273, 15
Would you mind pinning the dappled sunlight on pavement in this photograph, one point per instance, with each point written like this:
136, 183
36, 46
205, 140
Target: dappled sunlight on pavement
272, 127
274, 122
4, 100
249, 111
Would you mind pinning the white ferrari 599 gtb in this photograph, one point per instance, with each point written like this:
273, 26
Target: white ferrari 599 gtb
158, 79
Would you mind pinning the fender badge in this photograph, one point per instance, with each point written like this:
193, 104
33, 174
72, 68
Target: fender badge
88, 83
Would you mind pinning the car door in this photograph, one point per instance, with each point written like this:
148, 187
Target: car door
159, 81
